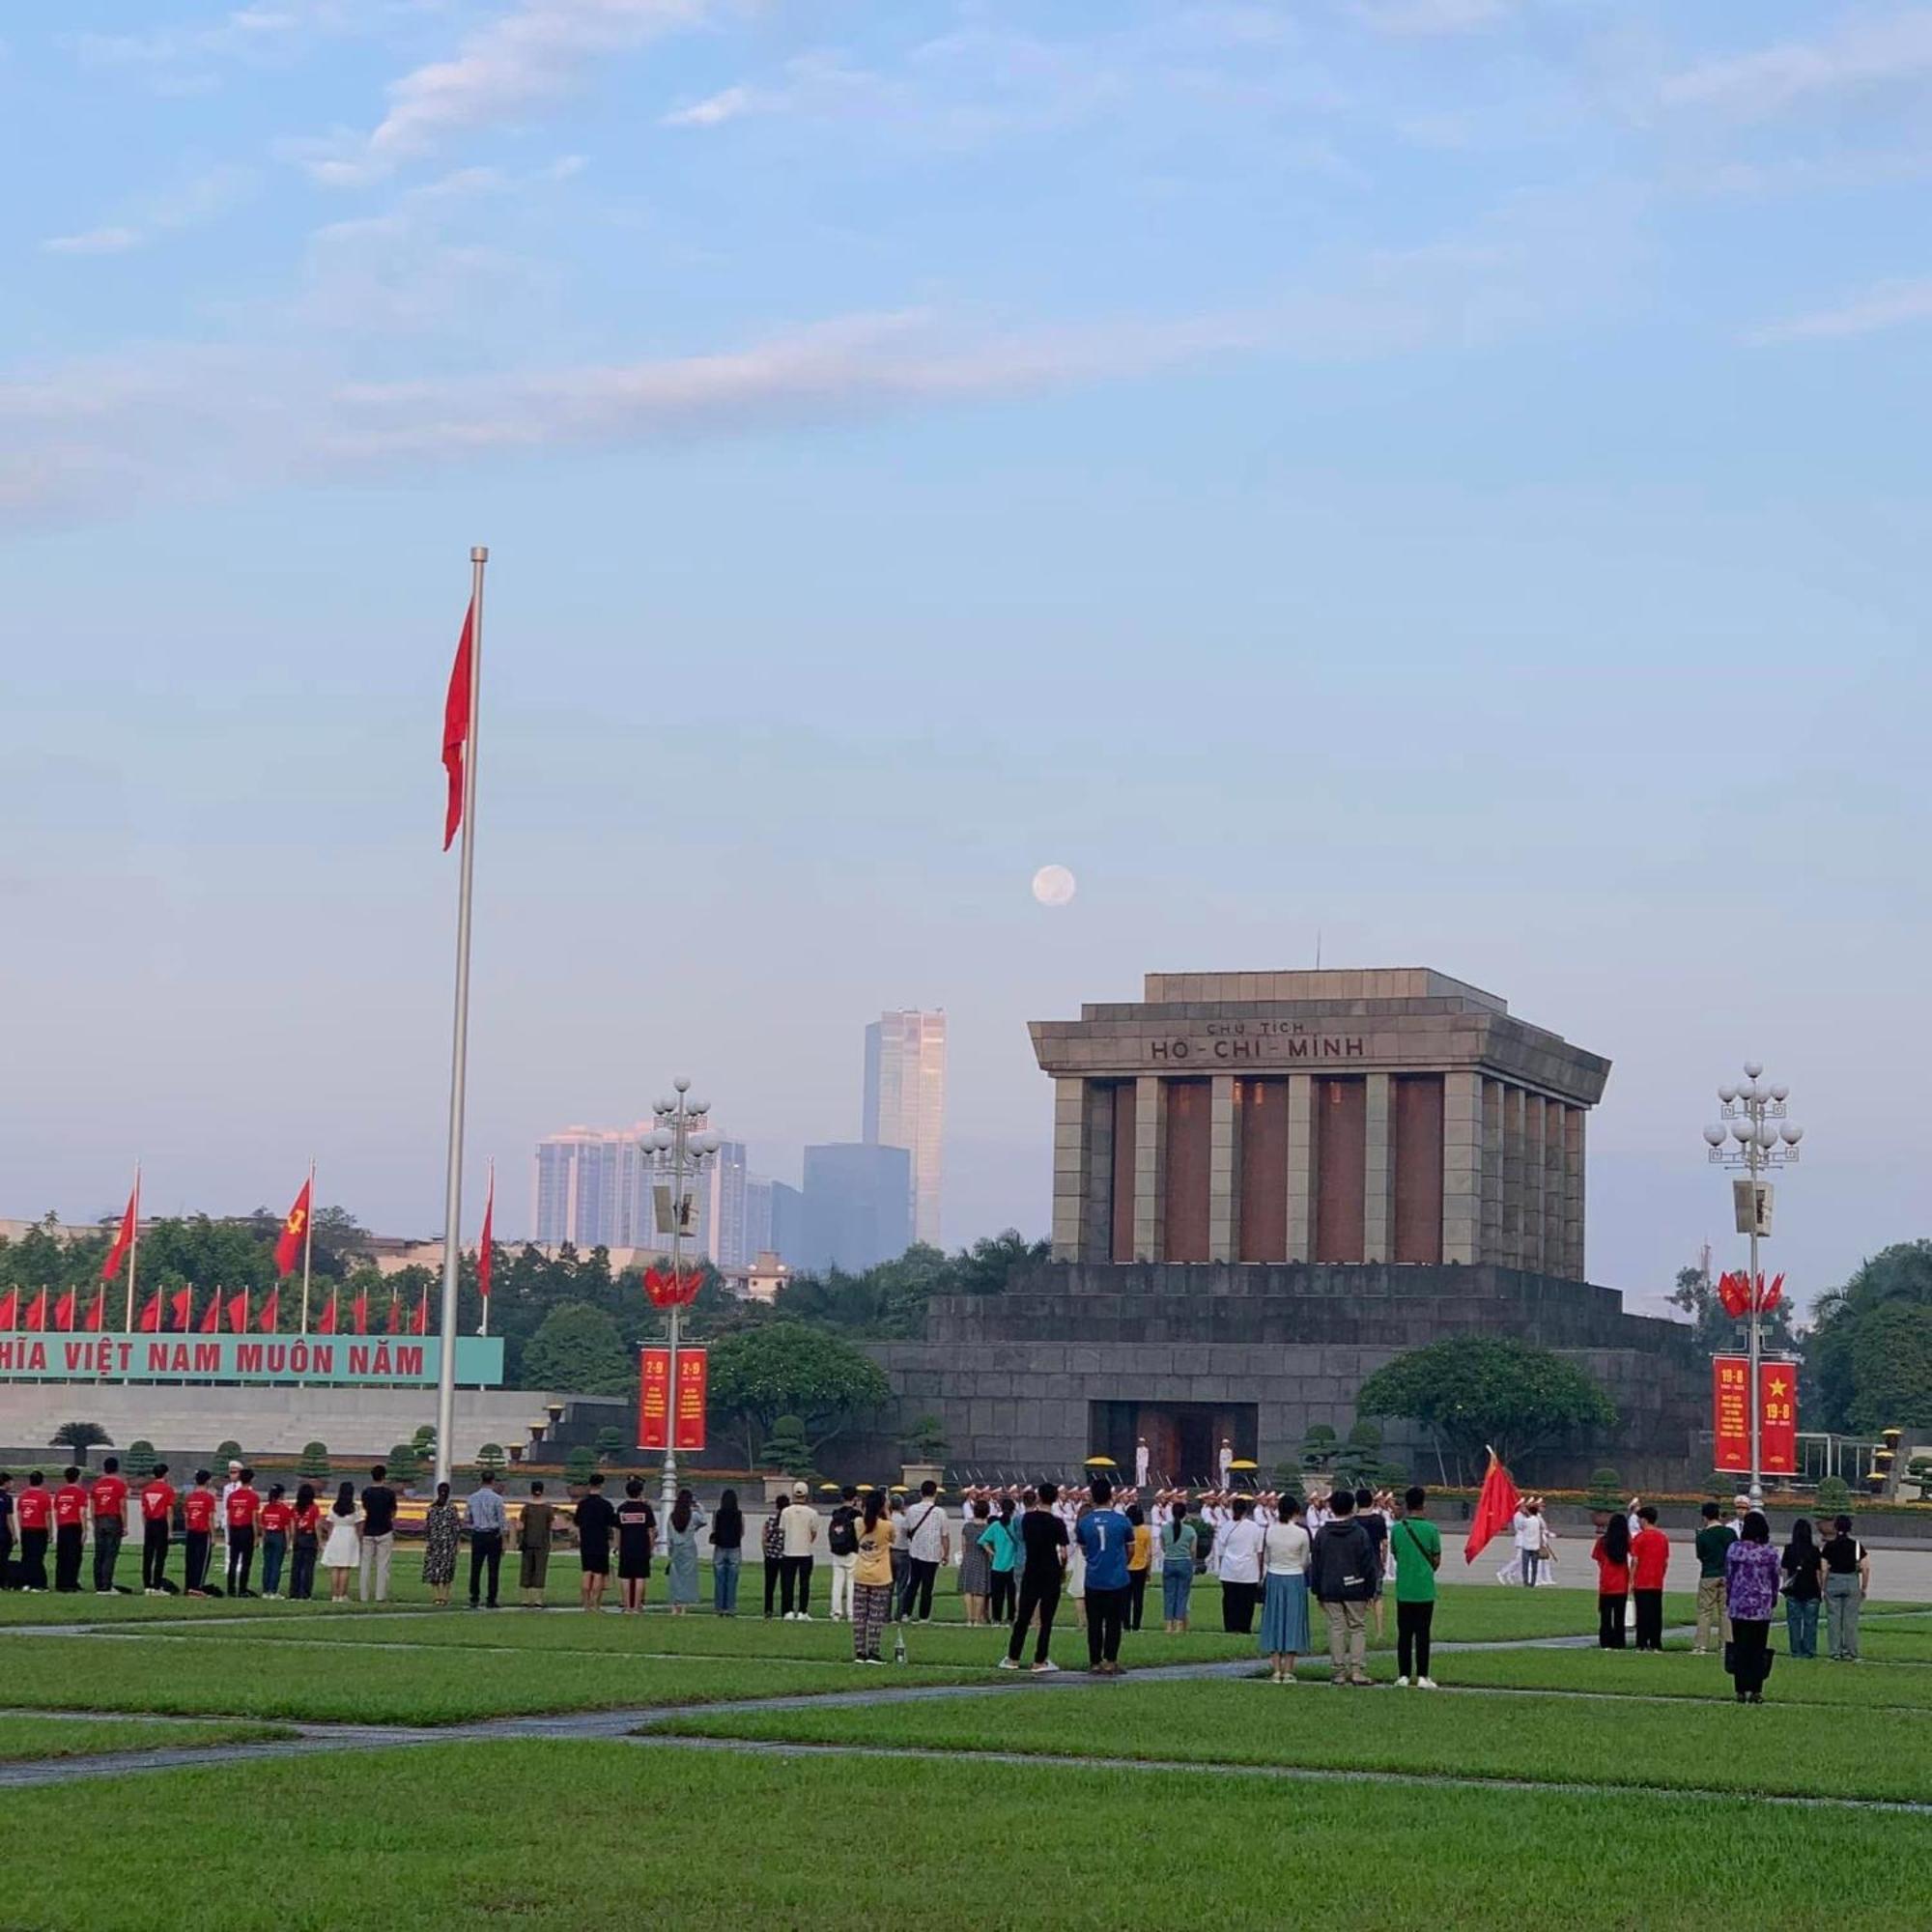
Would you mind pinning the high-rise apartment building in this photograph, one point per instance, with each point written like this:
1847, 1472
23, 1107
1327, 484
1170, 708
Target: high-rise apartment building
857, 1210
595, 1187
906, 1104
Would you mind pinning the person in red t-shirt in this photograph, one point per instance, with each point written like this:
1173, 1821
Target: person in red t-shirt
1610, 1552
70, 1530
157, 1514
244, 1505
107, 1498
35, 1512
198, 1512
273, 1520
308, 1543
1650, 1558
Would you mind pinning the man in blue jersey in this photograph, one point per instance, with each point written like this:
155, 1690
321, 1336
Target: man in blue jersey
1105, 1537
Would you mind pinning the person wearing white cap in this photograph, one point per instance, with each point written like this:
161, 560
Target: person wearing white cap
799, 1524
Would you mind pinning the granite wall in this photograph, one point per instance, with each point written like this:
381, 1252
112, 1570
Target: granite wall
1011, 1375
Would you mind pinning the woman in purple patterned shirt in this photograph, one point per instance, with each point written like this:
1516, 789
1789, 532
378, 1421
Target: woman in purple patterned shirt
1750, 1595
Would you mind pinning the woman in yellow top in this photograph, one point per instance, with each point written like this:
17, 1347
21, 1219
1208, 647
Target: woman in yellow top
871, 1581
1140, 1564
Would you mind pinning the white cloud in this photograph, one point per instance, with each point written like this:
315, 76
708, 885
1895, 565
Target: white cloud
522, 61
1889, 305
1422, 17
1867, 53
728, 106
94, 241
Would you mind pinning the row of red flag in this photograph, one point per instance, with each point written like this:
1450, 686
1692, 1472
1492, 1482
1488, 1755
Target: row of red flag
1734, 1290
172, 1311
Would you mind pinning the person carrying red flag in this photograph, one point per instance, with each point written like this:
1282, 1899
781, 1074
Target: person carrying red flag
1495, 1509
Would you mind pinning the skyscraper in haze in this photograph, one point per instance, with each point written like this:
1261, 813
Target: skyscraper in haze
905, 1103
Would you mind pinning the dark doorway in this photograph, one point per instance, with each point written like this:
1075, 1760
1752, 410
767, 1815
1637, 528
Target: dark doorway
1183, 1438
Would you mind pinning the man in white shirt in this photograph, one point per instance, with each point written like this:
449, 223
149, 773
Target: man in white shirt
1227, 1462
1237, 1562
927, 1545
1530, 1535
228, 1488
798, 1522
1142, 1459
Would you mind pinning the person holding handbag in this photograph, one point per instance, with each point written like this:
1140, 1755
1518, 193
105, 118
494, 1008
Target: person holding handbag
1530, 1534
1417, 1545
1750, 1595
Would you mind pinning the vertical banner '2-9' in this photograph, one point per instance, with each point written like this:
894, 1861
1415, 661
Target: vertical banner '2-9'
654, 1398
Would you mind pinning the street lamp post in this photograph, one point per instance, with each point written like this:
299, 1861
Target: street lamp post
680, 1146
1753, 1135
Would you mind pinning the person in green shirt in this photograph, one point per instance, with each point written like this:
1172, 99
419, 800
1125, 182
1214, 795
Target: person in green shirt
1712, 1540
1417, 1545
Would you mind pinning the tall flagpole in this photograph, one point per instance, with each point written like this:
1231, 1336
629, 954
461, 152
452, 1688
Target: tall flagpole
453, 1198
308, 1240
133, 1249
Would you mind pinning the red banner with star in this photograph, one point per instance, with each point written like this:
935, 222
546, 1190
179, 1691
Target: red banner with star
1777, 1415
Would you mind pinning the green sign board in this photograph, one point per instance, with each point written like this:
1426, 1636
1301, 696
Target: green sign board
352, 1361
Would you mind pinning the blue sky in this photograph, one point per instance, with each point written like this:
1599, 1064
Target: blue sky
1444, 475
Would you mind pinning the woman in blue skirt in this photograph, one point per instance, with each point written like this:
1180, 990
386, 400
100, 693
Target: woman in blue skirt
1285, 1601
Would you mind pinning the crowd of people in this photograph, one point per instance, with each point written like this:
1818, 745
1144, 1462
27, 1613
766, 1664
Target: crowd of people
1022, 1551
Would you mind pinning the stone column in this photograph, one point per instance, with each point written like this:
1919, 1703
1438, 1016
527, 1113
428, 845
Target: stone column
1378, 1173
1572, 1193
1072, 1168
1490, 1246
1300, 1166
1097, 1225
1512, 1243
1224, 1206
1150, 1167
1555, 1160
1532, 1181
1462, 1166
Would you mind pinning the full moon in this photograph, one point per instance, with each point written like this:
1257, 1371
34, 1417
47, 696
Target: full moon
1053, 885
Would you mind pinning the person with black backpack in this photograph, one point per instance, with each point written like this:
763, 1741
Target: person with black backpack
842, 1539
1344, 1569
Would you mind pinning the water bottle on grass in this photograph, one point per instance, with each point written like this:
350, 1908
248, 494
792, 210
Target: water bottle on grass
898, 1643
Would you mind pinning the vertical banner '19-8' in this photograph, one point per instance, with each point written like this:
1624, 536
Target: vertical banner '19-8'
1730, 1413
1778, 1430
654, 1399
1777, 1415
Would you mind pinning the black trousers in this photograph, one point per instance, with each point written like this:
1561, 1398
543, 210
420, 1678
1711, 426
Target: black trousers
795, 1583
1039, 1594
154, 1555
486, 1554
5, 1559
1238, 1607
1649, 1619
1609, 1623
1106, 1612
108, 1531
1412, 1638
1137, 1581
919, 1583
301, 1568
241, 1556
1001, 1605
69, 1536
1750, 1652
198, 1541
32, 1559
774, 1567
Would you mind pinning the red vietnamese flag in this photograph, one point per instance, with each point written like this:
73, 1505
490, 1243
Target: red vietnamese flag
419, 1316
149, 1320
395, 1313
456, 714
483, 1246
1495, 1509
125, 1239
362, 1311
294, 1231
210, 1317
181, 1309
326, 1326
36, 1317
238, 1313
97, 1312
63, 1311
9, 1309
271, 1317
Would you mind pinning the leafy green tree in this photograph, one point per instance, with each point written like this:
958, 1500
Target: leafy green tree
313, 1465
490, 1455
610, 1442
928, 1441
1474, 1390
577, 1351
80, 1435
1359, 1462
1319, 1446
788, 1369
137, 1462
1870, 1347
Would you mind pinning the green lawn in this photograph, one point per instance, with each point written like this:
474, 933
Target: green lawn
232, 1676
1677, 1673
1796, 1750
552, 1837
29, 1738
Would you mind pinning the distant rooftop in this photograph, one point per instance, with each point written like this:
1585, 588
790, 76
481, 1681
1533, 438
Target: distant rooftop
1320, 983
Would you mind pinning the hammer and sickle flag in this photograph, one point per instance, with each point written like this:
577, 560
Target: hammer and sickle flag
289, 1242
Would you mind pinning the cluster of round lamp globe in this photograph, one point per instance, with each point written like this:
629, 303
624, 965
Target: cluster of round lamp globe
1751, 1106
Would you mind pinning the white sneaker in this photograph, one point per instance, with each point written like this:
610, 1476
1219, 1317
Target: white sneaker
804, 1616
1428, 1684
1010, 1664
1403, 1684
1045, 1669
